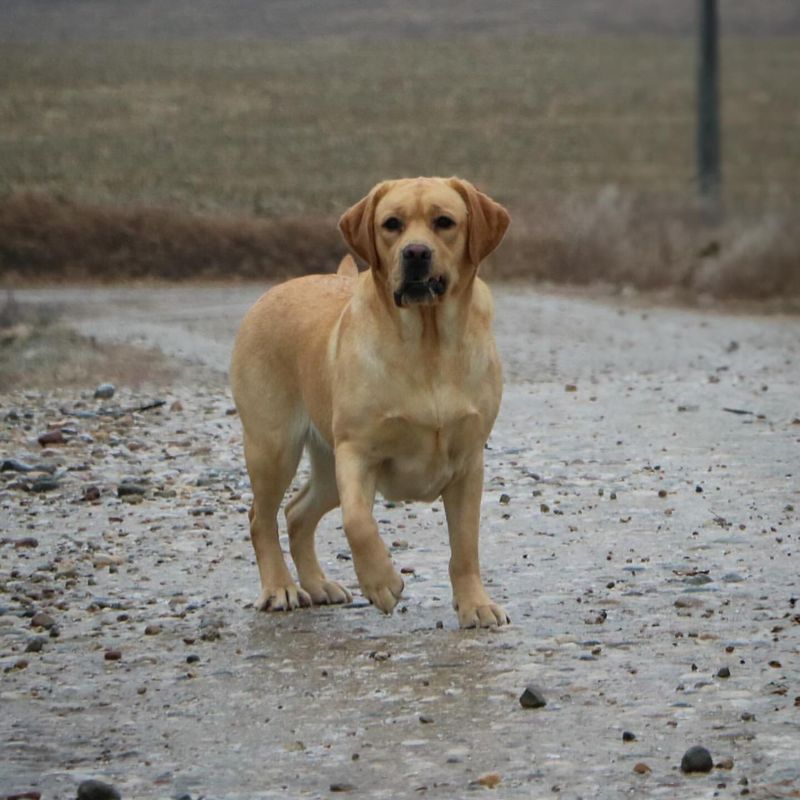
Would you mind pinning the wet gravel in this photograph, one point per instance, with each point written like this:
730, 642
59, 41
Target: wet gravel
130, 652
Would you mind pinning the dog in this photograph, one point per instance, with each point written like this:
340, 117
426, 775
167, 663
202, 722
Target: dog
390, 379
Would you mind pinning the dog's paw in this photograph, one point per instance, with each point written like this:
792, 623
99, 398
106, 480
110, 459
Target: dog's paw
383, 588
282, 598
485, 615
326, 592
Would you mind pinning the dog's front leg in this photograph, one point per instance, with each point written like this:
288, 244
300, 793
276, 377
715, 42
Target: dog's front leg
462, 505
355, 478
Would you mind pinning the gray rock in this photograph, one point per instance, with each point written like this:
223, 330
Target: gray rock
723, 672
698, 580
35, 644
732, 577
105, 391
97, 790
16, 465
44, 485
202, 511
532, 697
125, 489
697, 759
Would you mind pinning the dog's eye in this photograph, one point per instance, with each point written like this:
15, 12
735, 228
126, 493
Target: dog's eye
392, 224
443, 223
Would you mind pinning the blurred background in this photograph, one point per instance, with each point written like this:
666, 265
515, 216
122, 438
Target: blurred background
190, 139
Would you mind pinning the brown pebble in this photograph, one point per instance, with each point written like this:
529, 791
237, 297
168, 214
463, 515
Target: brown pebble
152, 630
380, 655
489, 779
27, 541
112, 655
42, 620
91, 493
51, 437
641, 768
724, 763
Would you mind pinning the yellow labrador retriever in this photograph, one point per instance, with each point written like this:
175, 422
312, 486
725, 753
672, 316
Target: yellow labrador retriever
391, 381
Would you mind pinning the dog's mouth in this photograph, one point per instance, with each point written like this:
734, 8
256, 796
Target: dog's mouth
420, 292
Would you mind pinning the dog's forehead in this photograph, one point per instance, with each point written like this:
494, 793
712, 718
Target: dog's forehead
420, 195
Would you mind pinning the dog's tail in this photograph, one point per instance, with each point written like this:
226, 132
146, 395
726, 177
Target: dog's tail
347, 267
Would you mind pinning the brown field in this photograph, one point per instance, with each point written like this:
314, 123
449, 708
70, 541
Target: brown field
190, 158
205, 20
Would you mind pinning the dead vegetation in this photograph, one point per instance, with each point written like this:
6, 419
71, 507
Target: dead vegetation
46, 239
610, 238
619, 240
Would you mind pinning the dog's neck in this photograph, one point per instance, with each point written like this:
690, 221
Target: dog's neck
445, 322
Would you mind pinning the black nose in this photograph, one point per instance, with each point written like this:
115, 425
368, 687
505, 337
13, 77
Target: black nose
416, 252
416, 262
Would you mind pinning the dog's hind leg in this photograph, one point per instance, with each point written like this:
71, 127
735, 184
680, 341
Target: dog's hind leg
303, 513
271, 463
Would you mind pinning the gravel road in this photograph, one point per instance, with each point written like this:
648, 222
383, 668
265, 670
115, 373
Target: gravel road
640, 525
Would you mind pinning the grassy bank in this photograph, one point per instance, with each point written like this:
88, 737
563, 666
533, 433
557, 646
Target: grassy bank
610, 238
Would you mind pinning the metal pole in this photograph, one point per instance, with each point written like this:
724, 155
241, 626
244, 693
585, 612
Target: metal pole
708, 127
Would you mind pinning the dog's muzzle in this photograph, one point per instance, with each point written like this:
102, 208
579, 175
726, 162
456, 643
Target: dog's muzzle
420, 292
418, 286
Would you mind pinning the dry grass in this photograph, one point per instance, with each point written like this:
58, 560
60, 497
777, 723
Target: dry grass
276, 129
43, 238
611, 238
195, 159
621, 240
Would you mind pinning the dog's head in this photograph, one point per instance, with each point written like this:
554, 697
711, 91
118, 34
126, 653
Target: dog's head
424, 236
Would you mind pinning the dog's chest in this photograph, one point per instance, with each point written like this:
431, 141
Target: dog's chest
423, 447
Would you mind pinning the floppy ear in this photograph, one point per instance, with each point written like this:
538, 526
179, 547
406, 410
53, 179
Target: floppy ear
357, 225
488, 220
